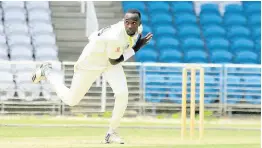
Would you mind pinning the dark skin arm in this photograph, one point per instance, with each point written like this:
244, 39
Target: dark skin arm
141, 42
116, 61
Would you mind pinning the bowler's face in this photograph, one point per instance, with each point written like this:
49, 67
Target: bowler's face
131, 21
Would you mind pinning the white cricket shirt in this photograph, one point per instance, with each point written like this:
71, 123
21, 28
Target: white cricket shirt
111, 43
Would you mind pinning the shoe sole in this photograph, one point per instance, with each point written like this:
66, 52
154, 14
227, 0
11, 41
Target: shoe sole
37, 71
34, 77
107, 142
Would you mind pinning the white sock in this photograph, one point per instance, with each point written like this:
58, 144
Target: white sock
121, 101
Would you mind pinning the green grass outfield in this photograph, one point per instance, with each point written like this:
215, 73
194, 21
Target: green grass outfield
22, 136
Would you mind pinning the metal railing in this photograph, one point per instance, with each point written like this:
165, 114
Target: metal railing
153, 88
242, 88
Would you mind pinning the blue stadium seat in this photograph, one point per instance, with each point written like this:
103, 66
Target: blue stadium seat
234, 99
242, 45
233, 80
170, 56
146, 55
154, 98
235, 19
252, 99
209, 8
154, 94
214, 31
163, 30
218, 44
186, 31
133, 5
238, 32
252, 7
192, 43
208, 79
221, 56
158, 6
195, 56
252, 79
185, 18
246, 57
167, 42
154, 79
146, 29
151, 44
254, 20
210, 19
174, 98
154, 87
258, 46
257, 33
182, 7
144, 18
233, 9
257, 100
161, 18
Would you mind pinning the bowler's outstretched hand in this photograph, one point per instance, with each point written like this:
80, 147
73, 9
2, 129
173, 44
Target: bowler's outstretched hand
141, 42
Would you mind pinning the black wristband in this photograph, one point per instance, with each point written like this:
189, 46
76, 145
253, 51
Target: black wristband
116, 61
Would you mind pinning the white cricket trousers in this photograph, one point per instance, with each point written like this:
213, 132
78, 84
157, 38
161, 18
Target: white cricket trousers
83, 80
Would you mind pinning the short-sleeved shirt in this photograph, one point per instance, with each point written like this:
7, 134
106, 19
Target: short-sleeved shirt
109, 42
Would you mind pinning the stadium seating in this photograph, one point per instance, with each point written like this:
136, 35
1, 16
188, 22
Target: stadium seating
26, 34
25, 88
212, 32
235, 29
229, 33
7, 85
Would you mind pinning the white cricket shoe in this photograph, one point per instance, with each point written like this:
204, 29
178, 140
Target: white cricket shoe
40, 72
113, 138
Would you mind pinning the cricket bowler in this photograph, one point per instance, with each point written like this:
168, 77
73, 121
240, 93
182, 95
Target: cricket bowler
106, 50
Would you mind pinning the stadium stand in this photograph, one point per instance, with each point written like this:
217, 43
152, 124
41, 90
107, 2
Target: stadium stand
231, 29
213, 33
200, 32
26, 34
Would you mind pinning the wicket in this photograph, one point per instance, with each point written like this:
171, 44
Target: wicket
192, 101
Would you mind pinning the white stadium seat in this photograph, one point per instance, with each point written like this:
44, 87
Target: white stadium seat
46, 58
2, 38
1, 27
43, 39
16, 52
24, 67
12, 4
1, 14
39, 15
7, 85
17, 55
4, 67
15, 14
37, 4
16, 27
4, 58
18, 39
17, 59
25, 88
40, 27
39, 53
3, 53
47, 48
21, 47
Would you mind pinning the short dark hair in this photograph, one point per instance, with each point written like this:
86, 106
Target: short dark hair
134, 11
